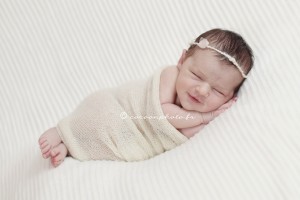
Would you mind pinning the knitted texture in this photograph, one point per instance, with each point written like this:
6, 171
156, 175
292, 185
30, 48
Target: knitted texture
125, 123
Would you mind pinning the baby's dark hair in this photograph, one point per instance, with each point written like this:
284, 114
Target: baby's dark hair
230, 43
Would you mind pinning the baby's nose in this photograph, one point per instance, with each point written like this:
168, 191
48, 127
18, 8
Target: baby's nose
203, 90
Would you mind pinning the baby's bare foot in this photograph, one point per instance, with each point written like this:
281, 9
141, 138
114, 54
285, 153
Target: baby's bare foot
49, 140
58, 154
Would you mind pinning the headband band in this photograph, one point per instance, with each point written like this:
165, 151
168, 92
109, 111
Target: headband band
203, 43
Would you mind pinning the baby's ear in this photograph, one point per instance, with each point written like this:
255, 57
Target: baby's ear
181, 59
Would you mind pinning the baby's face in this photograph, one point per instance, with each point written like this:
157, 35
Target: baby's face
207, 79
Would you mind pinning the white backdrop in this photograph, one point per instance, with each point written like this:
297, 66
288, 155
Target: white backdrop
54, 53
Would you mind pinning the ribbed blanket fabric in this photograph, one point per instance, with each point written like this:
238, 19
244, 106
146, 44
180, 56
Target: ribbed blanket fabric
54, 53
125, 123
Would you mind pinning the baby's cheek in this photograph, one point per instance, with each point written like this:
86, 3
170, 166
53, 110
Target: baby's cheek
218, 102
211, 105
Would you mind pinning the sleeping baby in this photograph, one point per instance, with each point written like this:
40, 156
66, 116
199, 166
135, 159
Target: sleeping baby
141, 119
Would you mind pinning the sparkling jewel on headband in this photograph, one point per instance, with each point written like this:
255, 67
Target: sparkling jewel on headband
203, 43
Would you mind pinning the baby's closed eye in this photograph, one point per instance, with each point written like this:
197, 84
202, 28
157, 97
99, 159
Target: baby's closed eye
195, 75
219, 92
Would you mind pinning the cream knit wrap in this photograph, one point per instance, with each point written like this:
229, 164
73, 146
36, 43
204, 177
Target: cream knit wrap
124, 123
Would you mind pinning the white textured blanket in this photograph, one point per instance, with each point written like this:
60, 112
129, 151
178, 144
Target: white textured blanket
54, 53
124, 123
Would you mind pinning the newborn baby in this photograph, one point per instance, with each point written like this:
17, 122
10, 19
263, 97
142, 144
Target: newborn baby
142, 119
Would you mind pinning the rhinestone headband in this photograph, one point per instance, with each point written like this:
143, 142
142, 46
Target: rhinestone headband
203, 43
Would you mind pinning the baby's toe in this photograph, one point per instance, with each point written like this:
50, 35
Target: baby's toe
55, 164
56, 160
42, 139
46, 149
54, 152
44, 144
46, 155
58, 154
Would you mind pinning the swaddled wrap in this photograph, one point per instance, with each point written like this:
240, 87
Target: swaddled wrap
125, 123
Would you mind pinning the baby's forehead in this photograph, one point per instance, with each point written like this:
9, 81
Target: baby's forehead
205, 53
209, 57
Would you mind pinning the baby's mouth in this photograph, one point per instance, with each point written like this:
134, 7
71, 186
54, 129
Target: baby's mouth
194, 99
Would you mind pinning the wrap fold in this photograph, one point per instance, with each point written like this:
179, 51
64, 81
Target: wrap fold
124, 123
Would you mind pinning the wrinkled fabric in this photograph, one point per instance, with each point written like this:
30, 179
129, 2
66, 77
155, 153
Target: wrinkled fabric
125, 123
